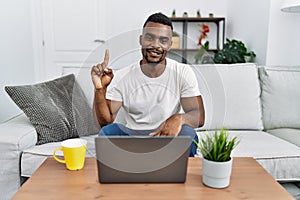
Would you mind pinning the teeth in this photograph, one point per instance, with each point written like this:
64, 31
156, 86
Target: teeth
154, 53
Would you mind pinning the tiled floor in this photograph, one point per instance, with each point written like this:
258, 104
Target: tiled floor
293, 189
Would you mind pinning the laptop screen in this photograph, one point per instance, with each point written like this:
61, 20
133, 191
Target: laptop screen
142, 159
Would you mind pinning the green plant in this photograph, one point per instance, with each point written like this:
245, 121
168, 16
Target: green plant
173, 13
198, 13
175, 34
218, 146
234, 51
202, 54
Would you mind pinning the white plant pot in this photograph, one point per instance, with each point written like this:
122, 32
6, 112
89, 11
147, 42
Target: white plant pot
216, 174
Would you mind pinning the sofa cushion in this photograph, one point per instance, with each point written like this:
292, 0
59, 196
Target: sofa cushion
17, 134
82, 75
83, 78
33, 157
57, 109
289, 134
280, 96
231, 95
279, 157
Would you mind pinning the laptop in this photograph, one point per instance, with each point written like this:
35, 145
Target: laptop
142, 159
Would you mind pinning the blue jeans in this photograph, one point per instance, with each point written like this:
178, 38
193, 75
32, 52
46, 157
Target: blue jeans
116, 129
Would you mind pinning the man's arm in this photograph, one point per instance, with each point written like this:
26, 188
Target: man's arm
194, 117
105, 110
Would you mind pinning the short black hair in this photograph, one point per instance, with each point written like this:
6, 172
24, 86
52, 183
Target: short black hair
159, 18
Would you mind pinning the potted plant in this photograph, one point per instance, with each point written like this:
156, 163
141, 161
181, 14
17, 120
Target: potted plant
175, 40
234, 51
174, 13
216, 150
185, 14
198, 13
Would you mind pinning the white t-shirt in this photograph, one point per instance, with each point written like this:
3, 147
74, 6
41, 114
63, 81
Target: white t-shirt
148, 102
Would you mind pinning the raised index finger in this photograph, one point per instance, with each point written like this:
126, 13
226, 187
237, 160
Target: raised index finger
106, 59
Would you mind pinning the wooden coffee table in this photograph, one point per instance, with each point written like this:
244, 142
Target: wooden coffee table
53, 181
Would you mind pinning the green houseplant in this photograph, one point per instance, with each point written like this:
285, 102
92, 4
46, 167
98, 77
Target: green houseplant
202, 56
234, 51
218, 146
217, 161
174, 13
175, 34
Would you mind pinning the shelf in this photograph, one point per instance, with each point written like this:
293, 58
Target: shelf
185, 20
197, 19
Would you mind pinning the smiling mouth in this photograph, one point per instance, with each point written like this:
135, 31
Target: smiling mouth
154, 53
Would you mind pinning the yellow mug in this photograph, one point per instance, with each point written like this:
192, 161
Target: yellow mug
74, 151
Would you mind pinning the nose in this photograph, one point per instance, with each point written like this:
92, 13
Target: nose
155, 43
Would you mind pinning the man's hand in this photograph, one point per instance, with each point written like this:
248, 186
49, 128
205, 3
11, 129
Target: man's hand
171, 127
101, 75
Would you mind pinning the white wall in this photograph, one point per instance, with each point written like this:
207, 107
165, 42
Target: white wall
248, 21
16, 61
272, 34
131, 14
283, 40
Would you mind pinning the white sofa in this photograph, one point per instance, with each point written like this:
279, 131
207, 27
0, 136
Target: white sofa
260, 105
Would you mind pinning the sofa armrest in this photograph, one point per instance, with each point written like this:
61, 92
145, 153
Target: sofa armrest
16, 135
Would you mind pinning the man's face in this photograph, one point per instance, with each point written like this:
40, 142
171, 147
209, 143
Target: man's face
155, 41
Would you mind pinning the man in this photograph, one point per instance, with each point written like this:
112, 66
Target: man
151, 91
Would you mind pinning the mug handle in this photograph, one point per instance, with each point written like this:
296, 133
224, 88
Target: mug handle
56, 158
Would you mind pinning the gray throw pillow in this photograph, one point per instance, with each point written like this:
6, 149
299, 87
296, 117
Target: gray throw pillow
58, 109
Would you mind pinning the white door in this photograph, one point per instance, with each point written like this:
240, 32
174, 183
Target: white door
70, 30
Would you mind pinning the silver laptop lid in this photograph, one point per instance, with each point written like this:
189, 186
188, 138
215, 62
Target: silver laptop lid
122, 159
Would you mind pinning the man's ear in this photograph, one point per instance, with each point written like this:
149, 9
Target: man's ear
141, 37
